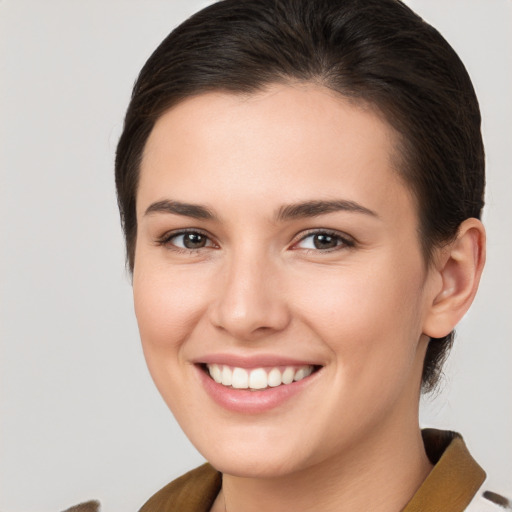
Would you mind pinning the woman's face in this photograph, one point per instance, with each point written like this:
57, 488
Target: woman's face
277, 242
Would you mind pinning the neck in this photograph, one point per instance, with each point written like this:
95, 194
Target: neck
382, 476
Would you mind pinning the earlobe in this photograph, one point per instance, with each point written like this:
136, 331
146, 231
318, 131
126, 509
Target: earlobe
460, 266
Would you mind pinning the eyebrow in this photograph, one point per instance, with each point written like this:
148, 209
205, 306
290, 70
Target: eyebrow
300, 210
316, 208
195, 211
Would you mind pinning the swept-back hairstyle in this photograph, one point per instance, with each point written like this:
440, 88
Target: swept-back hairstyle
378, 52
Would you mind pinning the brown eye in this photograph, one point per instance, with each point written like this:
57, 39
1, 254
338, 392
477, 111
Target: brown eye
189, 240
324, 241
194, 240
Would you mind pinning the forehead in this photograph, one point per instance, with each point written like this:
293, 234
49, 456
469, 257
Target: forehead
288, 141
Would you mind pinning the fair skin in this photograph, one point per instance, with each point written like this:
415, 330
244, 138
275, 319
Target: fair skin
229, 274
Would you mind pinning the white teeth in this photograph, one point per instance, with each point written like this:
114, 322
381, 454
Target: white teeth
274, 378
258, 378
240, 378
288, 376
227, 376
215, 373
299, 374
302, 373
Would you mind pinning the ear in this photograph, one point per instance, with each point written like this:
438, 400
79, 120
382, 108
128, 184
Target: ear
457, 274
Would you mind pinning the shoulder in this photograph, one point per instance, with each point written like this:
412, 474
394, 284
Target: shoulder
194, 491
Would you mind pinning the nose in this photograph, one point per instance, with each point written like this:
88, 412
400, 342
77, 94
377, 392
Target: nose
250, 303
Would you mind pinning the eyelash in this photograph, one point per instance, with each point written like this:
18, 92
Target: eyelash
166, 241
343, 241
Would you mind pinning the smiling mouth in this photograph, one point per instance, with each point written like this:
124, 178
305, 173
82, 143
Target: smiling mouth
257, 379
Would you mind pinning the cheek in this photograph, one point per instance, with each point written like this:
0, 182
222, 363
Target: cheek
371, 319
168, 304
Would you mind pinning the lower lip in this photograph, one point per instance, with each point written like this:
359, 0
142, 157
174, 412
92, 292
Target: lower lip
252, 402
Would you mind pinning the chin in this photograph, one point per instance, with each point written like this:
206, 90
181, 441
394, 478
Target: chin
259, 454
259, 467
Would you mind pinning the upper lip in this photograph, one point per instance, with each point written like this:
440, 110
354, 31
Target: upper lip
254, 361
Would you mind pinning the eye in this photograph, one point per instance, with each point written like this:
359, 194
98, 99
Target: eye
323, 241
186, 240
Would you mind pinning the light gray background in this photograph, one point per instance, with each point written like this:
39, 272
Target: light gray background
79, 415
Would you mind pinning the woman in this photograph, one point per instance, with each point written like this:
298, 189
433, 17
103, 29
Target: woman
300, 185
